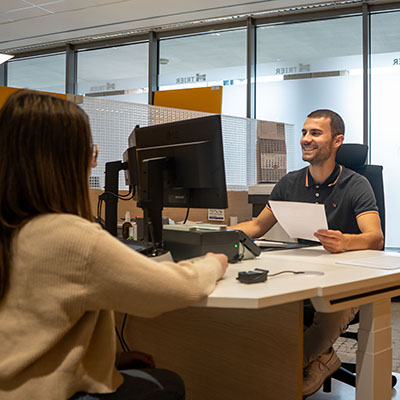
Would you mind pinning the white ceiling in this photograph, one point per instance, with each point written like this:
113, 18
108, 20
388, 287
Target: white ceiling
33, 22
36, 22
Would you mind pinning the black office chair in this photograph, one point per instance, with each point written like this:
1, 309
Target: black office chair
354, 156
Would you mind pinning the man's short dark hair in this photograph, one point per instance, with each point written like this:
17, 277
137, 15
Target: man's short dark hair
337, 123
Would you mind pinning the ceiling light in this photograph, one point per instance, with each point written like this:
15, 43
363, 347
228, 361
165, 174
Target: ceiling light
5, 57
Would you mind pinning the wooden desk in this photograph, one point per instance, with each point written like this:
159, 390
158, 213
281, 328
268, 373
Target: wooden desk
245, 341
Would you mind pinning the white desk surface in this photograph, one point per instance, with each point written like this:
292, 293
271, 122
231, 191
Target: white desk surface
337, 280
246, 342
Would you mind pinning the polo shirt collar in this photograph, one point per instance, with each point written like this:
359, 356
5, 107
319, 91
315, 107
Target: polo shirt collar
331, 181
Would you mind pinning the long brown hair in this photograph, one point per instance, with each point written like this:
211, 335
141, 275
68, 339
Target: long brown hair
45, 154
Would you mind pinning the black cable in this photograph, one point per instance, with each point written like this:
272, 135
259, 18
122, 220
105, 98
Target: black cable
278, 273
124, 197
128, 194
151, 234
98, 208
99, 220
101, 206
187, 215
121, 197
122, 332
288, 272
120, 339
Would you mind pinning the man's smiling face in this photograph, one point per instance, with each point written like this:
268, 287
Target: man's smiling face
317, 141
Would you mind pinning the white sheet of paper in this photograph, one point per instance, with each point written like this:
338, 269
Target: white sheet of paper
300, 220
383, 261
269, 243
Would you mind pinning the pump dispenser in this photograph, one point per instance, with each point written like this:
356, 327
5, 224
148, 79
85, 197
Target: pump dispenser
126, 225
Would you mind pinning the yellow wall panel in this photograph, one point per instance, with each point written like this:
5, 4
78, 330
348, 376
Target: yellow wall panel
205, 99
6, 91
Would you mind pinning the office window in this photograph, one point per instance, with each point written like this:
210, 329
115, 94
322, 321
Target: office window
118, 73
385, 113
211, 59
45, 73
306, 66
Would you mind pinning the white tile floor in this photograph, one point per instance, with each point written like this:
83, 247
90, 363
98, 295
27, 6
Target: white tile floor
346, 350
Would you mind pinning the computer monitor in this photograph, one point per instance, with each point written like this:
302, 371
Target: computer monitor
178, 164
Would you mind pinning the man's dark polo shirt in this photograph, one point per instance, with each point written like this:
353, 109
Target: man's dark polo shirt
345, 194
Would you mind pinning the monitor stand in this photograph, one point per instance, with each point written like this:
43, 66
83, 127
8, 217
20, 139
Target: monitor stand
151, 201
110, 195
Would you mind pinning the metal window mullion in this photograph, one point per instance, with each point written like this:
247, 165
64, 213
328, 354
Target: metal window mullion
3, 74
153, 66
307, 15
390, 6
71, 69
251, 69
114, 42
366, 38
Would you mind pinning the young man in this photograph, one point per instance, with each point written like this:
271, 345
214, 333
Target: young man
353, 222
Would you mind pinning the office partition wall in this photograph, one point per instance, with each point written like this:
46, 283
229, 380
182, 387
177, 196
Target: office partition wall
113, 121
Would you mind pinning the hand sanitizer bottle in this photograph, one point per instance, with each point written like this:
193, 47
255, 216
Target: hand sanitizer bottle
126, 225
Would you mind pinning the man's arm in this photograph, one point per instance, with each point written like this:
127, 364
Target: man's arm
257, 227
371, 236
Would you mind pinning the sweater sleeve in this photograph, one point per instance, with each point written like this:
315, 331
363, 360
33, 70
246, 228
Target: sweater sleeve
120, 279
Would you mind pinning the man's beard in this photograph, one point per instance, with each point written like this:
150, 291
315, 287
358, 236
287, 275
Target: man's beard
320, 156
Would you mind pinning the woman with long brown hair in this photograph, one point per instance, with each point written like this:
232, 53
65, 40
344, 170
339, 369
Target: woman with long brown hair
62, 276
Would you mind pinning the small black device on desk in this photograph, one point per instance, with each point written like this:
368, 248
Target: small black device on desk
248, 244
197, 240
250, 277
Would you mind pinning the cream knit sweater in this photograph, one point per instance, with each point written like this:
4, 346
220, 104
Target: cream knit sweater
57, 323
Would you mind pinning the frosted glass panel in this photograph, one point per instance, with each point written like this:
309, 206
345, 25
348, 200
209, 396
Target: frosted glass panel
117, 73
234, 100
210, 59
45, 73
385, 113
306, 66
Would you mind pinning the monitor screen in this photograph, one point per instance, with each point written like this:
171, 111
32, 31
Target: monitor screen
180, 164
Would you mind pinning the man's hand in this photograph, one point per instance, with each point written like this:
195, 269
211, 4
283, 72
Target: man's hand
333, 241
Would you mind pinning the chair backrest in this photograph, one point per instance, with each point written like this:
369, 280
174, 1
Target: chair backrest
353, 156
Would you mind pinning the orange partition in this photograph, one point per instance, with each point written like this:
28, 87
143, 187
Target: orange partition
205, 99
6, 91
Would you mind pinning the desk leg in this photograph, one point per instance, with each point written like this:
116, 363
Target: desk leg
374, 355
230, 354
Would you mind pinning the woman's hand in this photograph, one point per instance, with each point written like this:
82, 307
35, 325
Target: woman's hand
222, 258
